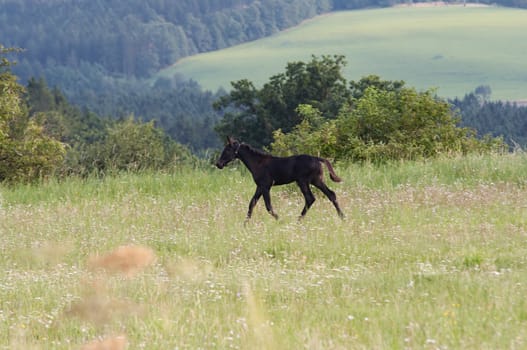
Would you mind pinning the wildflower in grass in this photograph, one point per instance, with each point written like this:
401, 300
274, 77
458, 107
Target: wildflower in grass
450, 314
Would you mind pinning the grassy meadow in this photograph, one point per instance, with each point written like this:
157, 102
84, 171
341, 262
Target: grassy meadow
431, 255
451, 48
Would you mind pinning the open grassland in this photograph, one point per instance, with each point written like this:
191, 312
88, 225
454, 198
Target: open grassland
432, 255
452, 48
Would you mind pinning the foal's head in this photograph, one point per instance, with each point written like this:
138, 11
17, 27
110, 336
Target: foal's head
230, 152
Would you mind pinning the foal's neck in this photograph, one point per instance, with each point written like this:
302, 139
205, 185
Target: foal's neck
250, 157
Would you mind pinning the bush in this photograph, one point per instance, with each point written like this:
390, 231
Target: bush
313, 135
129, 145
385, 125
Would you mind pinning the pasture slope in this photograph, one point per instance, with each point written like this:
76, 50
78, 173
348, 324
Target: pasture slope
432, 255
451, 48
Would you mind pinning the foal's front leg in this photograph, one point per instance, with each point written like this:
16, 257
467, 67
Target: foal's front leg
267, 198
253, 202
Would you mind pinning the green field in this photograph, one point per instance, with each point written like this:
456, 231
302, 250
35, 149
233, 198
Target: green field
432, 255
453, 48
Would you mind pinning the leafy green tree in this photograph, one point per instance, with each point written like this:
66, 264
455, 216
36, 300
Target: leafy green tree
253, 115
133, 146
79, 129
358, 88
11, 106
241, 114
26, 152
484, 91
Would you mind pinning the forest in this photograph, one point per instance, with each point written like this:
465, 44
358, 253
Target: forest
137, 38
310, 108
67, 40
91, 61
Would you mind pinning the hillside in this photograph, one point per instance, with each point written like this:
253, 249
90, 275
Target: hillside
92, 47
452, 48
136, 38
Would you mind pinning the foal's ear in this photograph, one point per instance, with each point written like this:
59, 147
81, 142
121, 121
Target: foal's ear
230, 140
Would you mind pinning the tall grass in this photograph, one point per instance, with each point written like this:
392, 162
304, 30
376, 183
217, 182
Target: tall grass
463, 171
431, 255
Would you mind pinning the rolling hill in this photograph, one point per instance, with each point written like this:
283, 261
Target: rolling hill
451, 48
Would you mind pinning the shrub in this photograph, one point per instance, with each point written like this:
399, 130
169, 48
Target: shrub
385, 125
129, 145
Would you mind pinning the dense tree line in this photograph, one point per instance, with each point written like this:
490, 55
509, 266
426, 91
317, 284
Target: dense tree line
180, 107
42, 135
136, 38
495, 118
312, 109
93, 44
100, 54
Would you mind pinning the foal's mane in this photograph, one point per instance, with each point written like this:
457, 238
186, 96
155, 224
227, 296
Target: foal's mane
255, 150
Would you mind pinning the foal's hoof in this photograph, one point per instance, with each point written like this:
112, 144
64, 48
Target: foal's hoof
274, 215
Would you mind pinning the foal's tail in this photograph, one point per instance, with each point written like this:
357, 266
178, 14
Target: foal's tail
332, 174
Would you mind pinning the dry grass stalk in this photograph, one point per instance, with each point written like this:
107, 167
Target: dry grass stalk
128, 260
98, 307
190, 270
111, 343
51, 253
261, 333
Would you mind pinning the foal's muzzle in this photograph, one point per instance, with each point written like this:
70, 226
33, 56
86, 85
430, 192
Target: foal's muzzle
220, 165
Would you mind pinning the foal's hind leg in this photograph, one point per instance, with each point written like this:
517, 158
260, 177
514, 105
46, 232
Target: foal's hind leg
308, 196
330, 194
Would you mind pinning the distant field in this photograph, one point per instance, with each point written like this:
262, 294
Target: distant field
452, 48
